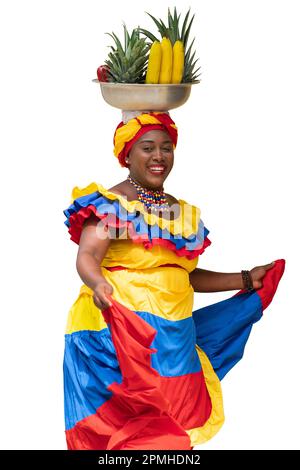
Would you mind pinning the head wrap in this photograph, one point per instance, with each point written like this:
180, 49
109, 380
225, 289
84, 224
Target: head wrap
127, 133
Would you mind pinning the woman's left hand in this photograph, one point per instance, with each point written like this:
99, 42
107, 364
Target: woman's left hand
258, 273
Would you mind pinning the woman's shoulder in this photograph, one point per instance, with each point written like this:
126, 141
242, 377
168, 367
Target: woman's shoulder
122, 189
172, 199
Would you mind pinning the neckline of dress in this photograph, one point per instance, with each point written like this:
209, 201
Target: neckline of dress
186, 224
137, 202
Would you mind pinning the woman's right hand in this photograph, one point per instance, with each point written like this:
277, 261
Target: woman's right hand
100, 294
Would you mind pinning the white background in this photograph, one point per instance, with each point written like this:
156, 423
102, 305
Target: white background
237, 159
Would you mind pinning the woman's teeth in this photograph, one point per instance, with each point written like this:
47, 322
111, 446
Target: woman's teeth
157, 169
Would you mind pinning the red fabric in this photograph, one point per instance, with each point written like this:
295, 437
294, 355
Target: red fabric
138, 414
191, 409
118, 268
270, 283
189, 254
127, 147
165, 125
77, 220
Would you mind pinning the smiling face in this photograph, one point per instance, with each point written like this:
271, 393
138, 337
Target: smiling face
151, 159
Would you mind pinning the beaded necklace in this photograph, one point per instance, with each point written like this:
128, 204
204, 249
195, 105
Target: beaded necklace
154, 199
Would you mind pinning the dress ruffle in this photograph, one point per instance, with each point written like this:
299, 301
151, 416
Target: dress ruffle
186, 235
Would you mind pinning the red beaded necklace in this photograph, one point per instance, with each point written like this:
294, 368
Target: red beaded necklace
154, 199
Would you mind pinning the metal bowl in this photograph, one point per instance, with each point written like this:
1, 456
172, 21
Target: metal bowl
140, 96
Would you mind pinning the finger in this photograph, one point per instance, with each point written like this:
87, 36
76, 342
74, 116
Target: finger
110, 299
270, 265
108, 302
98, 302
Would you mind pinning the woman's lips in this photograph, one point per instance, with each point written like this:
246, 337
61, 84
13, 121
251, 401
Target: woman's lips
157, 169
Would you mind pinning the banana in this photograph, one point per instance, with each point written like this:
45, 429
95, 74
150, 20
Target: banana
178, 62
154, 63
165, 75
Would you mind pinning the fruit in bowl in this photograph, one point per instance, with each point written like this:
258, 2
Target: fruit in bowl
103, 73
149, 60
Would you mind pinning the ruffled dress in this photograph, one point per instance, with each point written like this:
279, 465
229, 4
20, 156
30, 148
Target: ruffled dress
145, 373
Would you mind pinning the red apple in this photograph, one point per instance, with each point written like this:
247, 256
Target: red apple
102, 73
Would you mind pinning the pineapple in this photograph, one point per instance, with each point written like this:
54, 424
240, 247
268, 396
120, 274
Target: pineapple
128, 64
173, 32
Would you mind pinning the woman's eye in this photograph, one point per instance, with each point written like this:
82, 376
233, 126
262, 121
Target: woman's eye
150, 149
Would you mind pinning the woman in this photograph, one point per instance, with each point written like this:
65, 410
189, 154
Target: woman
142, 370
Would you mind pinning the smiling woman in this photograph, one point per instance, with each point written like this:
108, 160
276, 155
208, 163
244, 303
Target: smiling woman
149, 155
151, 159
142, 369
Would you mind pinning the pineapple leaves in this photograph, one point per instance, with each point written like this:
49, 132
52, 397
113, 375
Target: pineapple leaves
160, 25
186, 35
184, 25
128, 64
149, 35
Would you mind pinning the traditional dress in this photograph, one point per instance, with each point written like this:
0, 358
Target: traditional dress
145, 373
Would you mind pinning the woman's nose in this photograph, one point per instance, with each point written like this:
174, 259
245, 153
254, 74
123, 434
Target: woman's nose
157, 154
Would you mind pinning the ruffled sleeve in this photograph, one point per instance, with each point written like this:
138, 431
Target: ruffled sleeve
186, 235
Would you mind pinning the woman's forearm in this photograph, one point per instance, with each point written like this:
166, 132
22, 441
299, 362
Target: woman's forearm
89, 269
211, 281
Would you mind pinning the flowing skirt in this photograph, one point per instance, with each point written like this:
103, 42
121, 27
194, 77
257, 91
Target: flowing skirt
141, 381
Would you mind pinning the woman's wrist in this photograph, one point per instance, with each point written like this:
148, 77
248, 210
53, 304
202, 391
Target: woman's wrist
240, 281
247, 280
97, 281
236, 281
211, 281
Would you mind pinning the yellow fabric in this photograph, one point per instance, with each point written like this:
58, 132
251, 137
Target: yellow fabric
165, 292
135, 256
128, 131
216, 419
144, 286
186, 223
84, 315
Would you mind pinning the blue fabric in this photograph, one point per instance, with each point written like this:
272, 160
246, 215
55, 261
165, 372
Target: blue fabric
104, 206
175, 343
90, 362
223, 328
90, 365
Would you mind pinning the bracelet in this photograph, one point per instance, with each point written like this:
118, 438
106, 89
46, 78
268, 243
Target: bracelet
247, 280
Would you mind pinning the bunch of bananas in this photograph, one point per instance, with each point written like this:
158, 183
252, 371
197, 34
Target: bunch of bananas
171, 60
166, 62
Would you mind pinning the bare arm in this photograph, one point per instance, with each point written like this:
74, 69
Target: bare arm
94, 242
211, 281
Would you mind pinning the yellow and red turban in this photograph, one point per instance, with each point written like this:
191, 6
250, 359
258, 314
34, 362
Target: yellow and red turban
127, 134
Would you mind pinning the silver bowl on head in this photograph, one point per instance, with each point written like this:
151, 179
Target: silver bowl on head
140, 96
